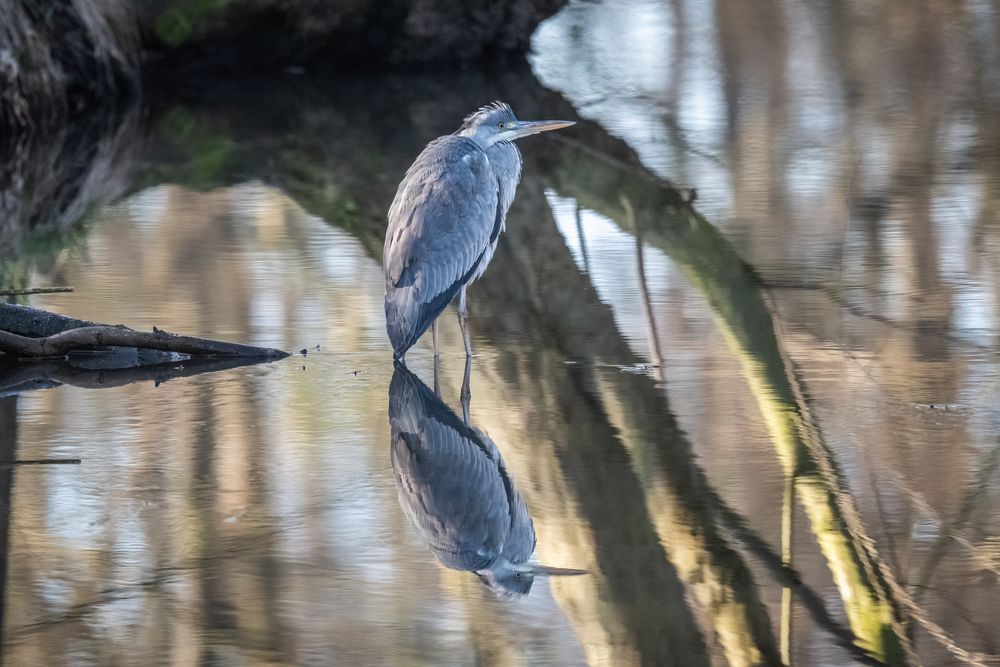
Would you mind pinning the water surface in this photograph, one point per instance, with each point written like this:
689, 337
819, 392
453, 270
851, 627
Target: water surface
788, 350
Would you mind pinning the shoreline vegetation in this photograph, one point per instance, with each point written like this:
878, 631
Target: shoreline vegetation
65, 58
72, 72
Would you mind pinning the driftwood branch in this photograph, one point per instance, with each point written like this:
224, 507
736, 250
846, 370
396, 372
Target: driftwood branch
34, 290
31, 333
106, 336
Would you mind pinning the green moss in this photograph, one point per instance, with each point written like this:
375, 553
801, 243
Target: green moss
48, 244
182, 20
26, 59
309, 181
38, 248
207, 155
14, 274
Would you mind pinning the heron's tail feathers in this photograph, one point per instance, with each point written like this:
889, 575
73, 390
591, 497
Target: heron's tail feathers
400, 326
408, 316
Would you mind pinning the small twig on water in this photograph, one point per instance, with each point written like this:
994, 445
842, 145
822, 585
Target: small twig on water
34, 290
42, 462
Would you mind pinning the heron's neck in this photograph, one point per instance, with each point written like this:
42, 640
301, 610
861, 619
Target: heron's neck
484, 142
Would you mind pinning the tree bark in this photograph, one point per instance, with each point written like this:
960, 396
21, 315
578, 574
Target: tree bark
25, 321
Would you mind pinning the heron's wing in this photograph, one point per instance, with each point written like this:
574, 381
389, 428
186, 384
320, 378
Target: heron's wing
440, 223
442, 216
520, 543
447, 477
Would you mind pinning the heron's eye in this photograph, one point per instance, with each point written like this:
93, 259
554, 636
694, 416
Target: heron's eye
500, 125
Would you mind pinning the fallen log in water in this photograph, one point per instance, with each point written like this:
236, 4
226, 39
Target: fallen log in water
32, 333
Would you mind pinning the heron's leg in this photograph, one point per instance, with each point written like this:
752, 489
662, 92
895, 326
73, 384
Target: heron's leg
466, 394
437, 376
463, 321
434, 333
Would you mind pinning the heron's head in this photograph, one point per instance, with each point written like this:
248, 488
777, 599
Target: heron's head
510, 580
497, 122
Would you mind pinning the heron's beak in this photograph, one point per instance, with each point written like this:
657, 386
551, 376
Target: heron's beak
546, 571
528, 127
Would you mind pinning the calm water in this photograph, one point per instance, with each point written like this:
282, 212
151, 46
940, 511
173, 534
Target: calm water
799, 364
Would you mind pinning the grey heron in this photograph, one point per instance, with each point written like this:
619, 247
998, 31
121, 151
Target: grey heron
446, 219
454, 486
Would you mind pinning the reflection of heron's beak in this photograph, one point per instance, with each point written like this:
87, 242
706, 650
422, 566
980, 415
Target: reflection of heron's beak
526, 127
546, 571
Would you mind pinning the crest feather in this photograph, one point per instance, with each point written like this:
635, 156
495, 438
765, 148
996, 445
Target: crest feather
492, 106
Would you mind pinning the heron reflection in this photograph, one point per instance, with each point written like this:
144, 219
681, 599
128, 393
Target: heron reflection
454, 487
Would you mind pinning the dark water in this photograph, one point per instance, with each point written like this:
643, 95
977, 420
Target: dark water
798, 367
